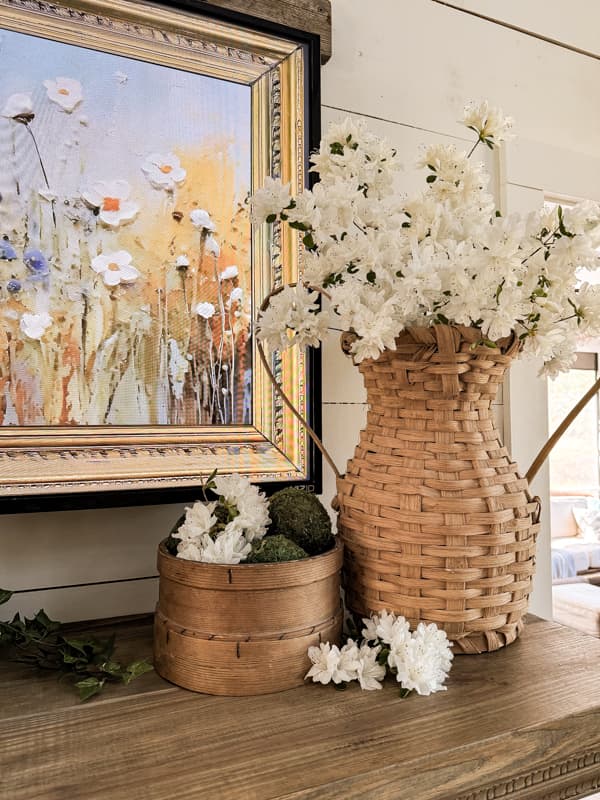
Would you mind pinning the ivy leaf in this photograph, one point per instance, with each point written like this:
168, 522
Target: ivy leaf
309, 242
44, 621
135, 669
78, 645
5, 596
89, 687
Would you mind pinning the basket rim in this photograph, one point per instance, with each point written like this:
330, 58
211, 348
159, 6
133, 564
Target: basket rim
244, 575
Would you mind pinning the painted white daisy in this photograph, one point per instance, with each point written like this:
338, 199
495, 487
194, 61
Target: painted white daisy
34, 326
205, 310
229, 273
212, 246
115, 268
201, 219
163, 171
65, 92
19, 107
112, 200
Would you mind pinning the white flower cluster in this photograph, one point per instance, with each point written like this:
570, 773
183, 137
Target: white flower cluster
420, 660
222, 531
444, 256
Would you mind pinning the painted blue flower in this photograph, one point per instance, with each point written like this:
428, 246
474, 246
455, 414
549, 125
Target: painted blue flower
37, 263
14, 286
7, 251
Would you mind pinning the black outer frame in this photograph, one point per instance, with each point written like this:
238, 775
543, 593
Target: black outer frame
78, 501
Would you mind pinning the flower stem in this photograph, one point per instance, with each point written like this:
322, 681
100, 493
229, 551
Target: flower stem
39, 155
472, 150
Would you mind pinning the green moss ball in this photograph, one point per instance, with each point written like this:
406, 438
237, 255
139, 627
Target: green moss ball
275, 548
301, 517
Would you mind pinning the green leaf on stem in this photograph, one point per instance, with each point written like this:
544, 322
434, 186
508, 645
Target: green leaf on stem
89, 687
135, 669
5, 596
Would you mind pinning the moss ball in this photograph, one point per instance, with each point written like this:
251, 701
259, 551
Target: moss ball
301, 517
275, 548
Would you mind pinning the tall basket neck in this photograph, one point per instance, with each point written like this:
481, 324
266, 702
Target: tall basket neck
431, 366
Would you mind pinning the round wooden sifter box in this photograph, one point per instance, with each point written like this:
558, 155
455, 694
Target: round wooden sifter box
244, 629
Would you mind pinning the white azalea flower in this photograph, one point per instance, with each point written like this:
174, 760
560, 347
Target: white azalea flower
164, 171
115, 268
199, 519
441, 257
65, 92
349, 663
201, 219
253, 514
270, 200
111, 198
17, 106
205, 310
489, 122
189, 550
325, 659
291, 318
231, 487
304, 210
369, 672
34, 326
369, 632
426, 660
230, 547
391, 629
229, 273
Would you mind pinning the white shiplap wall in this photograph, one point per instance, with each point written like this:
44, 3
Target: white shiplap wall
407, 66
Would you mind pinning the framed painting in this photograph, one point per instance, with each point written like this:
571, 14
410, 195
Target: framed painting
131, 136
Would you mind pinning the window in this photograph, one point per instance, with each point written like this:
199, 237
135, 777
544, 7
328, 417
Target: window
575, 459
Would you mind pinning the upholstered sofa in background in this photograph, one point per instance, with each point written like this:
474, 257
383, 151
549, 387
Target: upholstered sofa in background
575, 568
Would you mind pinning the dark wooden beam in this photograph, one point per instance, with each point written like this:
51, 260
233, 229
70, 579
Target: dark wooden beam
312, 16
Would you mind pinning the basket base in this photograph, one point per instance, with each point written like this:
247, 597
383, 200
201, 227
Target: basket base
236, 667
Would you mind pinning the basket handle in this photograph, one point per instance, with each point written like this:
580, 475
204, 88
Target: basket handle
547, 448
279, 389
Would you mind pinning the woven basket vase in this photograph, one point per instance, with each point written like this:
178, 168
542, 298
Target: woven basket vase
437, 524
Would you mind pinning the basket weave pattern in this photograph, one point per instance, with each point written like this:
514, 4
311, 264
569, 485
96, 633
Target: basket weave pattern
436, 522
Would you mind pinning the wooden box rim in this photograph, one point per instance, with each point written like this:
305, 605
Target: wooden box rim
249, 576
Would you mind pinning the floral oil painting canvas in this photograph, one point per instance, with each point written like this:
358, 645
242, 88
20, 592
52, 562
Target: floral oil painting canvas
125, 241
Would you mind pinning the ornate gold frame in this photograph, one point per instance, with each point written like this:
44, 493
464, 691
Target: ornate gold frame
50, 461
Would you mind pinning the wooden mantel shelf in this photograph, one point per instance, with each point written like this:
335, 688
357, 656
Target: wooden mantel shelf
519, 724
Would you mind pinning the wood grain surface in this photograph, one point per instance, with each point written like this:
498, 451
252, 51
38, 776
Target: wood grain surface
523, 723
313, 16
